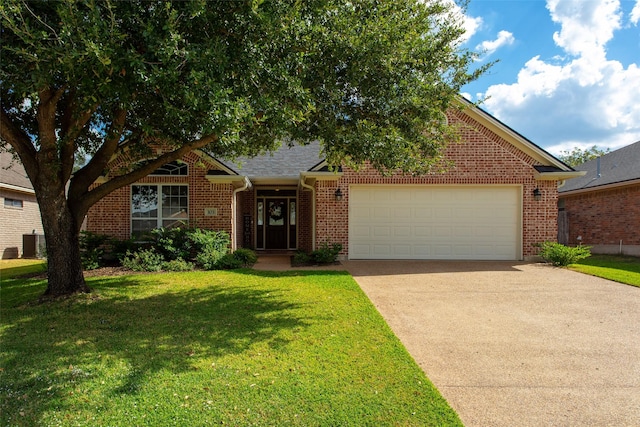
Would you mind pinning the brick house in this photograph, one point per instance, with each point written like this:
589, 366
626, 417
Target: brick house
20, 213
496, 202
602, 208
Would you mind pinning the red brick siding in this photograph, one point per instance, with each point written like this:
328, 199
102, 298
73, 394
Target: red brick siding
604, 217
304, 220
483, 158
112, 215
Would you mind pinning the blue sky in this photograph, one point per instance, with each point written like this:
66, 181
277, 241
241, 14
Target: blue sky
568, 73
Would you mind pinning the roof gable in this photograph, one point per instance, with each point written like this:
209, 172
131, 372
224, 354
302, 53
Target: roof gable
617, 167
12, 172
285, 162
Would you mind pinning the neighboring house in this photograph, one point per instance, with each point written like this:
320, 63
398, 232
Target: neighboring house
496, 202
602, 208
20, 213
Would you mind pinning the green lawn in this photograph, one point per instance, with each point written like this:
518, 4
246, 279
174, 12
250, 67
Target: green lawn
10, 268
208, 348
623, 269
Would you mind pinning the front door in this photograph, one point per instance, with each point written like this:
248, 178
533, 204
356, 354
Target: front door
276, 226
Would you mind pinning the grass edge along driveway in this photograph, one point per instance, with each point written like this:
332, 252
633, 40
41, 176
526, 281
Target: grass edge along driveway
619, 268
207, 348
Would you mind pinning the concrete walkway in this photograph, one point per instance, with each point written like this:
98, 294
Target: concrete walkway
515, 344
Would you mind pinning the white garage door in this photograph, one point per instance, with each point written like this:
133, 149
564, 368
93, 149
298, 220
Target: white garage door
435, 222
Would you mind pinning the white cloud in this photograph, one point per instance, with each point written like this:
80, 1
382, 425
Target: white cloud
635, 13
586, 26
504, 38
579, 100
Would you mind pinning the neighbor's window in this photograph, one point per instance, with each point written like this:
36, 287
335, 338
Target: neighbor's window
155, 206
13, 203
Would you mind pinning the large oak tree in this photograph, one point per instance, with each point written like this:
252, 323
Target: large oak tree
369, 79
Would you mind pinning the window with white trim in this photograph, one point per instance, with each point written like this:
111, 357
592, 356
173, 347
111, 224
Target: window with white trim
158, 205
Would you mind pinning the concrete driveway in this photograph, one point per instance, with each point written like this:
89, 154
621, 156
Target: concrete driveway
515, 344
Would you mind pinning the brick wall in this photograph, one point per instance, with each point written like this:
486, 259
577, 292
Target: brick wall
16, 222
112, 214
483, 158
604, 217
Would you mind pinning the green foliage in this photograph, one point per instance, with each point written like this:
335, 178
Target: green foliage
172, 243
143, 260
561, 255
209, 246
238, 259
246, 256
326, 254
577, 156
92, 249
228, 262
301, 258
372, 81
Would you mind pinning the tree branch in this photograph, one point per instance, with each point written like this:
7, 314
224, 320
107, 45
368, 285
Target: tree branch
83, 201
20, 141
83, 179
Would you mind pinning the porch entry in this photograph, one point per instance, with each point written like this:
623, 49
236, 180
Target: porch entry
276, 219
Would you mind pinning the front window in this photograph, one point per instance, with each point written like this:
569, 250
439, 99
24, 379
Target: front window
155, 206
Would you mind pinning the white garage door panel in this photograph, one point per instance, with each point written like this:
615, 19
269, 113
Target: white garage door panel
434, 222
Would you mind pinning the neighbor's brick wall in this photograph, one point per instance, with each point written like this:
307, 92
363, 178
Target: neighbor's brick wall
16, 222
112, 214
483, 158
604, 217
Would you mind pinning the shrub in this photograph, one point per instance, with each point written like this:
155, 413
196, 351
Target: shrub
326, 254
92, 249
120, 248
561, 255
143, 260
177, 265
246, 256
301, 258
228, 262
210, 246
172, 243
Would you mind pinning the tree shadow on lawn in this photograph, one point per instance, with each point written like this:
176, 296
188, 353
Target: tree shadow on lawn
51, 349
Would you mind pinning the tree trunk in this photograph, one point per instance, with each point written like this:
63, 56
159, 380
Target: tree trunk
64, 266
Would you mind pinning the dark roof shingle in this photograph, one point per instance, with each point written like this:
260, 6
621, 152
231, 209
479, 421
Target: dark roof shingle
615, 167
12, 172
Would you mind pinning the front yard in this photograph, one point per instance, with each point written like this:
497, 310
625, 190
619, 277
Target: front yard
208, 348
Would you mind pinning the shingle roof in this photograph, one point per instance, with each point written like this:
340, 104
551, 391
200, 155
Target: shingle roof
12, 172
615, 167
285, 162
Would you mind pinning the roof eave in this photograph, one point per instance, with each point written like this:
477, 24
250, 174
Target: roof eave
236, 180
17, 188
320, 176
600, 187
557, 176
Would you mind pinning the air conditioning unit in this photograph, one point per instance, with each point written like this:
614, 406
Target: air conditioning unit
33, 246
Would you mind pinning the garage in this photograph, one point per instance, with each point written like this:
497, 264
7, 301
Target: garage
435, 222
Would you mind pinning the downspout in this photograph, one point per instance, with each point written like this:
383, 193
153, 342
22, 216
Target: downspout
313, 210
234, 212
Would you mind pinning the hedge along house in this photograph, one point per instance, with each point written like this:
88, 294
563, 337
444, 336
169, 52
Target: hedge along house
495, 203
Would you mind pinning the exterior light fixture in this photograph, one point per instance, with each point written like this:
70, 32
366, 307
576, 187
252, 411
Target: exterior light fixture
338, 194
537, 195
